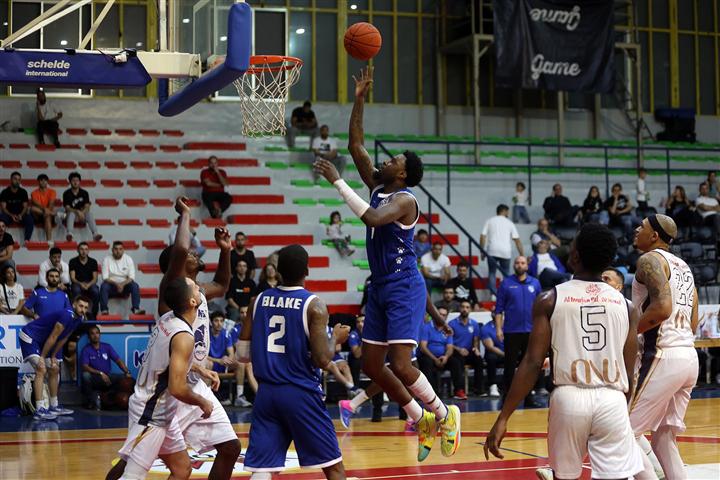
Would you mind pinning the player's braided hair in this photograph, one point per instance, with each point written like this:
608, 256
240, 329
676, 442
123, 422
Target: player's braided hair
596, 246
413, 168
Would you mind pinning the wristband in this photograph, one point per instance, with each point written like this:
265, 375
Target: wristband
353, 200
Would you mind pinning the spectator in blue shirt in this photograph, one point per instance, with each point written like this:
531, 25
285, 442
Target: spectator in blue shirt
355, 344
421, 243
513, 317
546, 267
236, 366
436, 348
494, 354
45, 300
95, 360
221, 348
466, 346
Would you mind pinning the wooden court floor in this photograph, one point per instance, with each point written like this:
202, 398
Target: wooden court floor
49, 450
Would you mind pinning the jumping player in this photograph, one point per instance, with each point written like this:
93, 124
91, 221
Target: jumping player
396, 294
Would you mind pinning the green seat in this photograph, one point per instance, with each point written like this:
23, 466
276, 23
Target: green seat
276, 165
305, 201
331, 202
361, 264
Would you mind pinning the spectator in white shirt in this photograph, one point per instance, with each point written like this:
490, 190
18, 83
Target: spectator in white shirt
118, 272
12, 295
324, 147
708, 208
496, 239
55, 261
520, 202
643, 197
47, 119
435, 267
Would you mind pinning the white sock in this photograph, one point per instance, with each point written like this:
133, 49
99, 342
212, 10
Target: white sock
647, 450
424, 391
240, 390
359, 399
414, 410
41, 404
53, 402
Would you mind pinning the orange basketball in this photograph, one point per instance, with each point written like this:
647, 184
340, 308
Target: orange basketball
362, 41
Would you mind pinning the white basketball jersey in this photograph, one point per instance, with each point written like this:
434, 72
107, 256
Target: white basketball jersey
589, 326
151, 403
676, 330
201, 332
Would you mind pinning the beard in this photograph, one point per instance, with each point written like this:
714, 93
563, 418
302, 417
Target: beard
377, 175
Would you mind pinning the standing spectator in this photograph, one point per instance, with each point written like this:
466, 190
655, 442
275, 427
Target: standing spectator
593, 209
546, 267
466, 351
335, 234
269, 278
214, 180
436, 348
45, 300
708, 208
513, 317
496, 239
543, 232
84, 275
240, 291
42, 207
324, 147
241, 252
95, 360
558, 208
15, 205
679, 207
520, 202
355, 345
7, 246
620, 208
76, 206
448, 300
12, 295
302, 120
494, 354
713, 184
643, 197
435, 267
463, 285
421, 243
47, 119
118, 272
55, 261
195, 244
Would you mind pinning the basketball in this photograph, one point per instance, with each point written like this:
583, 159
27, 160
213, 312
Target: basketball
126, 385
362, 41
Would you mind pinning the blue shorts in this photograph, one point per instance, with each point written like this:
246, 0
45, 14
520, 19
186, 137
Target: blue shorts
395, 311
284, 414
34, 349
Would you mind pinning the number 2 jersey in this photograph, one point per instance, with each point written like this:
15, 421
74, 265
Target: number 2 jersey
280, 346
589, 326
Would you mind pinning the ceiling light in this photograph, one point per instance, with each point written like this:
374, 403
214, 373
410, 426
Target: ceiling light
186, 20
223, 38
300, 31
353, 7
139, 44
4, 24
63, 42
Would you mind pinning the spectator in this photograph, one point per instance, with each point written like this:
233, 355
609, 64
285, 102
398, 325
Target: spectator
240, 291
355, 345
55, 261
302, 120
239, 368
221, 349
558, 209
118, 272
520, 202
544, 233
269, 278
84, 275
324, 147
15, 206
643, 196
436, 348
494, 354
448, 301
42, 205
195, 244
546, 267
620, 207
463, 285
7, 246
513, 317
97, 373
240, 252
466, 351
214, 180
679, 207
12, 295
496, 239
593, 209
708, 208
435, 267
421, 243
335, 234
47, 119
46, 300
76, 206
713, 184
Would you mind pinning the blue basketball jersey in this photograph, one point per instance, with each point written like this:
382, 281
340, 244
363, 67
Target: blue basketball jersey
280, 346
390, 247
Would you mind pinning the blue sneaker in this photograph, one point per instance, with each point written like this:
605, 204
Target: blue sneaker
346, 413
43, 413
59, 410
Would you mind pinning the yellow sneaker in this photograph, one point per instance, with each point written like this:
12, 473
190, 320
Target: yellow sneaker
450, 430
427, 428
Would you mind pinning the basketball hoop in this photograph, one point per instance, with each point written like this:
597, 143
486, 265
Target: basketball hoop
263, 91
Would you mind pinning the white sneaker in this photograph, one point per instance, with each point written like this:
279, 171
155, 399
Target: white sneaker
44, 414
242, 402
494, 392
226, 403
59, 410
544, 473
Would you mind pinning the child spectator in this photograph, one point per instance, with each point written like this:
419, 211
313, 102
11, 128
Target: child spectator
520, 202
335, 234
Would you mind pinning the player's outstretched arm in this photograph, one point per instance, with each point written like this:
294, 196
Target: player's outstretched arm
630, 350
178, 253
651, 272
221, 282
360, 156
322, 349
181, 348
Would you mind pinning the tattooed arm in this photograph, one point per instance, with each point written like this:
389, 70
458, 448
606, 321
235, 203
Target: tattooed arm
652, 272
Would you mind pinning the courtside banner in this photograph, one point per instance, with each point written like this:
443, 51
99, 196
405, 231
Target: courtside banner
79, 70
555, 44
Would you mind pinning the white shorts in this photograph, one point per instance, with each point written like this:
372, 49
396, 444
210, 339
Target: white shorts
202, 434
665, 382
591, 421
146, 443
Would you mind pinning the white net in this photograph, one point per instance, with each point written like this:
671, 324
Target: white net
263, 92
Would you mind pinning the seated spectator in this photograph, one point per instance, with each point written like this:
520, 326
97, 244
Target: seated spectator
47, 119
42, 205
494, 354
643, 196
302, 120
463, 285
558, 209
436, 348
679, 207
546, 267
241, 369
220, 354
421, 243
97, 373
214, 180
55, 261
83, 277
195, 244
435, 267
12, 295
466, 346
7, 246
324, 147
240, 291
448, 300
269, 278
338, 367
498, 235
544, 233
335, 234
355, 345
118, 272
45, 300
241, 252
713, 185
593, 209
708, 208
76, 206
620, 208
15, 206
520, 202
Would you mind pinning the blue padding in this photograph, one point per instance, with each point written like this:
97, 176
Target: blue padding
239, 45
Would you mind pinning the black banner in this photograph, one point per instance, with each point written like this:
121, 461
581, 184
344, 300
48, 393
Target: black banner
555, 44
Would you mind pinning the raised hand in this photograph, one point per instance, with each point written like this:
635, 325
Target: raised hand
363, 84
181, 205
222, 238
327, 170
342, 332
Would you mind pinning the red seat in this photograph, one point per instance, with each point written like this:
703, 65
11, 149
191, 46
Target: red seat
19, 146
45, 147
236, 146
115, 165
170, 148
111, 183
95, 148
434, 217
107, 202
326, 285
37, 164
65, 164
266, 219
100, 131
165, 183
109, 318
270, 240
103, 222
135, 202
149, 133
249, 180
36, 246
347, 309
191, 183
200, 163
144, 317
453, 238
166, 164
76, 131
120, 148
161, 202
154, 244
130, 222
70, 146
10, 164
158, 223
138, 183
125, 132
455, 259
149, 268
145, 148
214, 222
89, 165
141, 165
265, 199
173, 133
130, 244
148, 293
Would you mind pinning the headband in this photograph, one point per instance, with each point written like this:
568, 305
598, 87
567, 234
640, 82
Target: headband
664, 236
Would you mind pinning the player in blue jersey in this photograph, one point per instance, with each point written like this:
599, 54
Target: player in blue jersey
396, 294
289, 346
41, 341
